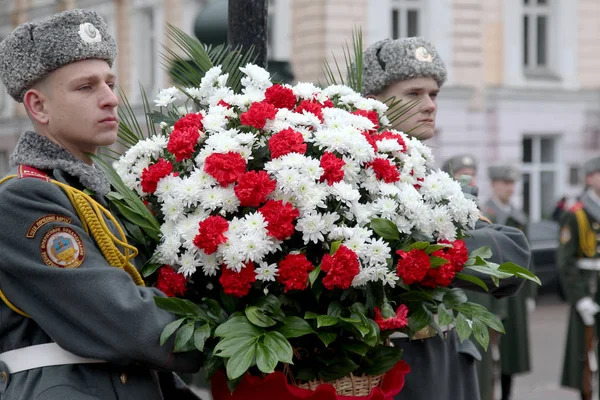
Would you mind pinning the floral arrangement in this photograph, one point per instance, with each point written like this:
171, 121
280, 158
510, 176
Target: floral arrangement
298, 230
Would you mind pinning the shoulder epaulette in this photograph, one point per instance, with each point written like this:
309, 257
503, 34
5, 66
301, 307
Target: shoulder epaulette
576, 207
25, 171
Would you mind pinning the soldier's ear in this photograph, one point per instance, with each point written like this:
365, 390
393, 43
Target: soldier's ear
35, 104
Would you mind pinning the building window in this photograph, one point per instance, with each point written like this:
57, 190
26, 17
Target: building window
536, 34
574, 175
406, 18
541, 168
144, 49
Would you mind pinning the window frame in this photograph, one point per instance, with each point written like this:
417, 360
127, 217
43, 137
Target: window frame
402, 8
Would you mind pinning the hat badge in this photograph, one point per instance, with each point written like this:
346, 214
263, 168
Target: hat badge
89, 33
422, 54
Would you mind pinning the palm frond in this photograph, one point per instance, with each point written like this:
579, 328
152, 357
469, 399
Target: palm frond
130, 131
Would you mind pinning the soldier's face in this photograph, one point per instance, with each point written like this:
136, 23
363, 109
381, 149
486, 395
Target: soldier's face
467, 171
80, 106
503, 190
419, 121
593, 181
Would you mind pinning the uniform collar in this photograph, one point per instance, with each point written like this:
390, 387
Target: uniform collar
42, 153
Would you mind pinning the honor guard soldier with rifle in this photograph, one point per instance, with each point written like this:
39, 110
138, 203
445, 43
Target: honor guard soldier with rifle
579, 266
77, 321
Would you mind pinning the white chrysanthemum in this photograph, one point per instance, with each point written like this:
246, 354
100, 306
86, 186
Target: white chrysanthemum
329, 220
222, 142
230, 203
385, 207
232, 257
166, 97
338, 90
356, 244
266, 272
378, 251
388, 146
344, 192
256, 77
438, 186
187, 192
443, 223
255, 224
240, 101
168, 228
189, 262
167, 252
172, 208
166, 187
212, 198
390, 279
210, 263
312, 227
195, 93
214, 121
245, 139
305, 90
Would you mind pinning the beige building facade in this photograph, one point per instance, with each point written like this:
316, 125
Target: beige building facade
524, 75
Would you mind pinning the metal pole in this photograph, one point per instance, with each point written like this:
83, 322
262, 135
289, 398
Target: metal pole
247, 26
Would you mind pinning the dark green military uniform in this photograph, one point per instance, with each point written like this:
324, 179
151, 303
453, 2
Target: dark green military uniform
514, 344
91, 308
576, 282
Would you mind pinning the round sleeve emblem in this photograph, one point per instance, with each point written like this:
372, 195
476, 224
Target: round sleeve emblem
63, 248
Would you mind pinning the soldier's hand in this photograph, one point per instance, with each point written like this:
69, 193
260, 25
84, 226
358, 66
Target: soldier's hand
587, 309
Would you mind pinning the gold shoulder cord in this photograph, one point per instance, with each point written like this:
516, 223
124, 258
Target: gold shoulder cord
92, 214
587, 239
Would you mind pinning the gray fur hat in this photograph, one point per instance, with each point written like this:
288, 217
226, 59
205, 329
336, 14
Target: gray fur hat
504, 173
389, 61
38, 47
591, 166
459, 162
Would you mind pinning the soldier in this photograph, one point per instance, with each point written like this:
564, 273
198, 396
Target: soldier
73, 326
514, 344
410, 70
578, 263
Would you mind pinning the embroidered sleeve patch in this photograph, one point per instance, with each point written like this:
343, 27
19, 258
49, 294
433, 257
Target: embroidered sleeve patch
565, 235
46, 219
63, 248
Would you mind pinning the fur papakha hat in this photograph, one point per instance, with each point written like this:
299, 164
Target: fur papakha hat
36, 48
459, 162
389, 61
504, 173
592, 165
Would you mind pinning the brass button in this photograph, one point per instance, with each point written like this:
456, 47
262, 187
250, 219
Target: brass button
123, 378
595, 226
4, 376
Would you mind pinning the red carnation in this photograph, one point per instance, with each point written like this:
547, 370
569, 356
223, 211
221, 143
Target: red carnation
341, 268
413, 265
385, 170
253, 188
458, 254
223, 103
332, 168
312, 107
191, 120
211, 234
393, 136
371, 116
371, 140
442, 275
328, 104
280, 97
280, 217
238, 284
293, 272
154, 173
170, 282
182, 142
391, 320
285, 142
225, 168
258, 114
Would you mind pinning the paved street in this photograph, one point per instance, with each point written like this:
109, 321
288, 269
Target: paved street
548, 329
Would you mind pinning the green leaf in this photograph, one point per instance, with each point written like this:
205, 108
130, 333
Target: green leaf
269, 303
481, 333
310, 315
277, 342
335, 309
454, 297
372, 338
241, 361
419, 246
258, 317
521, 272
149, 268
382, 359
437, 261
445, 317
295, 327
226, 348
356, 348
418, 320
335, 246
462, 327
313, 275
342, 366
238, 326
435, 247
326, 320
491, 320
180, 307
472, 279
266, 358
327, 337
183, 336
200, 335
483, 252
170, 330
385, 229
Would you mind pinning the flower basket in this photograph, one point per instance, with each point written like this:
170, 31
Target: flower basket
276, 386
